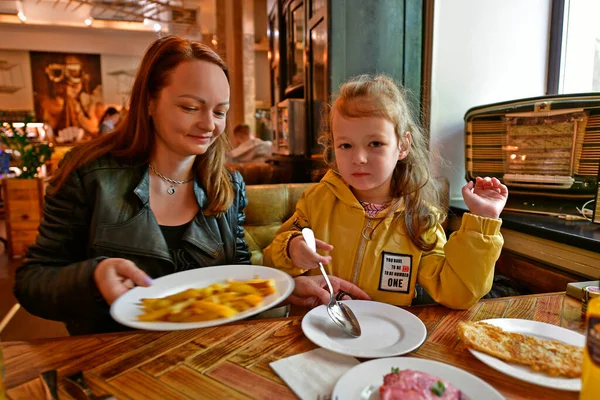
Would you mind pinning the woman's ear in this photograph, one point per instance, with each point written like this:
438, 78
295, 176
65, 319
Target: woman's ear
405, 146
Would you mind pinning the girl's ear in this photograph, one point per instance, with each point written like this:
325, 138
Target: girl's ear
405, 146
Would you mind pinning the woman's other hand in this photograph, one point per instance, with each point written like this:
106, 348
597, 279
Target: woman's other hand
303, 257
115, 276
486, 197
312, 291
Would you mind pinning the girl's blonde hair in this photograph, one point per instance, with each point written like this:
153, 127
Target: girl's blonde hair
380, 96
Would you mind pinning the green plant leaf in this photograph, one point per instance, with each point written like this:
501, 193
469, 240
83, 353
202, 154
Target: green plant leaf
27, 155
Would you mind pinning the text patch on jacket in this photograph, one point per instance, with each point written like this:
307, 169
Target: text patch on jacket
396, 271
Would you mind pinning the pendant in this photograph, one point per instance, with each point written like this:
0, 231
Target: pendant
171, 190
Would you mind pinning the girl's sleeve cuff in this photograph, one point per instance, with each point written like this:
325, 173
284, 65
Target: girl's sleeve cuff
483, 225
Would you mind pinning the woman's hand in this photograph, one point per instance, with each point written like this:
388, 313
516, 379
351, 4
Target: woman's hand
312, 291
115, 276
486, 198
303, 257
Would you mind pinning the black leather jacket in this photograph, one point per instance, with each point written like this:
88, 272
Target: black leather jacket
103, 211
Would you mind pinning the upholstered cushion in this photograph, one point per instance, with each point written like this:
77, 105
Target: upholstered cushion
255, 173
269, 206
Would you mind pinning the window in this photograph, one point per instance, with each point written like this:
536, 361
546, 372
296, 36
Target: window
574, 65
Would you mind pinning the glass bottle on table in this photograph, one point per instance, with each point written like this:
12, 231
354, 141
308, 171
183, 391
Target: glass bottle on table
590, 372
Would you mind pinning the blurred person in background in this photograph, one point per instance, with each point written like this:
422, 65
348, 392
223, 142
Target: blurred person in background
247, 148
109, 120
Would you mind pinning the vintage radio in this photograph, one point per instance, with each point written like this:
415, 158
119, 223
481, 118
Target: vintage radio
544, 145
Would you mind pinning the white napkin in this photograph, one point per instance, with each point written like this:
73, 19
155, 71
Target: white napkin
313, 375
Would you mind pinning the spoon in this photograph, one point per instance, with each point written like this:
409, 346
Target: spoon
340, 313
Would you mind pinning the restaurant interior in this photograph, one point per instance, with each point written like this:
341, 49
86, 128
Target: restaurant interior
506, 89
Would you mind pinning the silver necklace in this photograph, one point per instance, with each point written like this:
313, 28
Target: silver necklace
171, 189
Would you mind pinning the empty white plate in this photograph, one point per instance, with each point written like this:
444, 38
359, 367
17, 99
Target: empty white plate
386, 330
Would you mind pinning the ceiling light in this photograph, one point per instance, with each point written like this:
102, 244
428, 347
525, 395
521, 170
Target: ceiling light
157, 27
88, 21
21, 16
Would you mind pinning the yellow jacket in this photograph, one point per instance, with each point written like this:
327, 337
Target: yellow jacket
456, 273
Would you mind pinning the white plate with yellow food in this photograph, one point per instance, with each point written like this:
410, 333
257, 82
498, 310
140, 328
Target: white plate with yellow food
535, 352
387, 330
202, 297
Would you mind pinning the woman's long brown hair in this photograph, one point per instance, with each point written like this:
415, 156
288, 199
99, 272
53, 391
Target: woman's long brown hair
379, 96
133, 139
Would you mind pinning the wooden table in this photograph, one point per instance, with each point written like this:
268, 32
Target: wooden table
232, 361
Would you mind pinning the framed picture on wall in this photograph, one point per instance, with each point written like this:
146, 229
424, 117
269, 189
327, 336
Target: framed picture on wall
67, 91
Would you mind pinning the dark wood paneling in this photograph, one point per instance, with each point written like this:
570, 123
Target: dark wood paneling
535, 276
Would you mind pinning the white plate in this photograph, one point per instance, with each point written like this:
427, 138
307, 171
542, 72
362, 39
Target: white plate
540, 330
125, 310
386, 330
363, 381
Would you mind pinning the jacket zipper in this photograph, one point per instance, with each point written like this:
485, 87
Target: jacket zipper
199, 245
195, 257
133, 252
361, 249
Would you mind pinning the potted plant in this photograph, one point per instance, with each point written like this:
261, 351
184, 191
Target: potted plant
23, 194
29, 156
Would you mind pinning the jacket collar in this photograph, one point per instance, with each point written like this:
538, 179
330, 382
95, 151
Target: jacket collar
342, 191
153, 242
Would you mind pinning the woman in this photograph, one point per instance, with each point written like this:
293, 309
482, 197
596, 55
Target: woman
109, 120
147, 200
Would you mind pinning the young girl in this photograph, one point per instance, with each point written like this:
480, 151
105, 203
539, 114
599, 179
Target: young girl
377, 212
